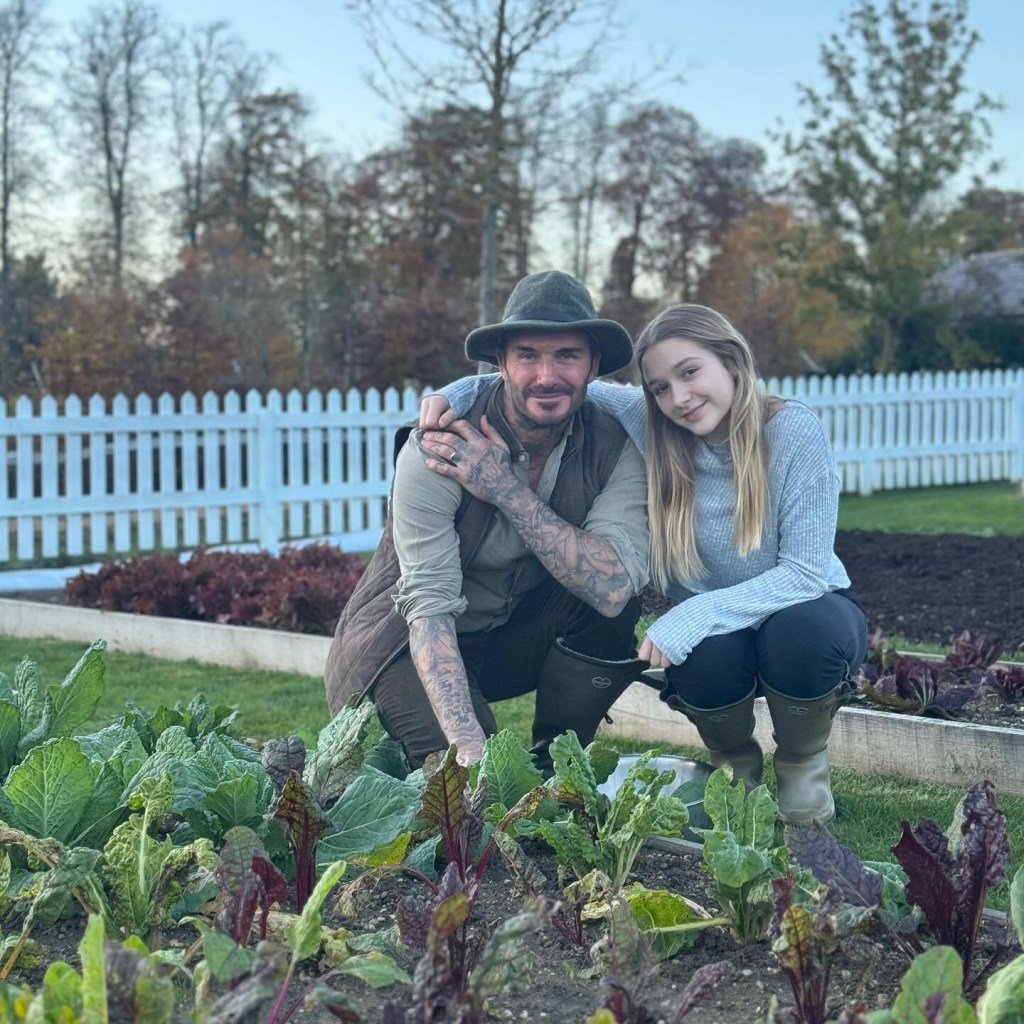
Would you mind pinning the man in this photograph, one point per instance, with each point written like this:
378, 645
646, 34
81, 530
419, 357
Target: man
515, 547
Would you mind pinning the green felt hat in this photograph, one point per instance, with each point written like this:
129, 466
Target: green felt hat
553, 301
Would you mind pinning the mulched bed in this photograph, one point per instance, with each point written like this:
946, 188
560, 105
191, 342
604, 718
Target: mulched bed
929, 588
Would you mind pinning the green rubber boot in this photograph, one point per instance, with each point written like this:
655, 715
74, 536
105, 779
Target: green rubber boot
802, 728
575, 691
728, 733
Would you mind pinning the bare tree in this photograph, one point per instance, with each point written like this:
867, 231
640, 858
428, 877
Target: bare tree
502, 55
23, 33
114, 67
203, 71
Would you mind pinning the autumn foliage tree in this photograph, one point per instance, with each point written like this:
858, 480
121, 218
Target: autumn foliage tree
763, 278
879, 146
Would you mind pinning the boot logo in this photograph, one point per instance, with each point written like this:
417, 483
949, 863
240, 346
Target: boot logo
601, 682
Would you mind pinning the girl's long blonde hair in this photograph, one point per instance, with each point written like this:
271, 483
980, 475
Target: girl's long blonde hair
670, 448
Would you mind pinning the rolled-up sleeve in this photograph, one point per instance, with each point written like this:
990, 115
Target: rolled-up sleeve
423, 507
619, 515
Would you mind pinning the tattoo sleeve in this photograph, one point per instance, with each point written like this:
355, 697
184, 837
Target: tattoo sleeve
435, 653
585, 564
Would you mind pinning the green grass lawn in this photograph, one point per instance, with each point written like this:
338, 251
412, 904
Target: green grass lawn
989, 509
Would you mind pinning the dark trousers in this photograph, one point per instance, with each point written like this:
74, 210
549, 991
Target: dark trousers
803, 651
501, 663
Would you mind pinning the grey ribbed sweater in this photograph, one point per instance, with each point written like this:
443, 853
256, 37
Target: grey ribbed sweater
796, 561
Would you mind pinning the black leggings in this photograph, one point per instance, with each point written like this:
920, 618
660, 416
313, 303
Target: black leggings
803, 651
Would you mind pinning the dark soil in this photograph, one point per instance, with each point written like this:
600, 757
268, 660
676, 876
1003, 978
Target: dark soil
867, 971
929, 588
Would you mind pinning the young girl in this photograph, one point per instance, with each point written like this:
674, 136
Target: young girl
743, 495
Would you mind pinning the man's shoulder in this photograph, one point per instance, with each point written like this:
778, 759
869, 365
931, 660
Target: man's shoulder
413, 477
600, 425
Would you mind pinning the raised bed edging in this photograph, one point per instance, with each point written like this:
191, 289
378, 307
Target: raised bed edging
173, 639
928, 749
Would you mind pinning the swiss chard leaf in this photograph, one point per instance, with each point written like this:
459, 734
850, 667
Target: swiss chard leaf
835, 865
949, 880
249, 883
304, 823
740, 852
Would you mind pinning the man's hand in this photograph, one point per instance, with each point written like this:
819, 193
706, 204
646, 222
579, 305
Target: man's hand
435, 413
650, 652
469, 753
477, 459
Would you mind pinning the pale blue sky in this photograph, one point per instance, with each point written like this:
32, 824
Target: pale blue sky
742, 60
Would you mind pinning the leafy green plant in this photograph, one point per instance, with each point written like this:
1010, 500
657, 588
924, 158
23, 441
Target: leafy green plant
599, 838
878, 887
931, 992
741, 853
198, 718
626, 962
40, 896
436, 929
301, 797
455, 989
302, 590
31, 715
600, 833
915, 686
144, 876
806, 939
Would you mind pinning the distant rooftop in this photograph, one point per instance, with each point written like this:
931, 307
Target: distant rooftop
990, 285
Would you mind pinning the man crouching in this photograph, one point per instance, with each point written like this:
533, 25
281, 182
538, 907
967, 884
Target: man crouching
515, 547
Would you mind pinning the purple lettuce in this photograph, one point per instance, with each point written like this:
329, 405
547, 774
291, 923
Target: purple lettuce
918, 686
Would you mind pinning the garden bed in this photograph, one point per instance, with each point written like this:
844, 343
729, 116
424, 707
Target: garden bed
863, 739
869, 970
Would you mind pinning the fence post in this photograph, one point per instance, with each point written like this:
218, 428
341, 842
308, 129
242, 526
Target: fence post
1018, 470
268, 462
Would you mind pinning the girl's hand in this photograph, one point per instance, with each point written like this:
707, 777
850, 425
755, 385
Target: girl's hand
650, 652
435, 413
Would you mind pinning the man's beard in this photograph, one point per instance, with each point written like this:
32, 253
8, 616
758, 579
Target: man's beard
527, 422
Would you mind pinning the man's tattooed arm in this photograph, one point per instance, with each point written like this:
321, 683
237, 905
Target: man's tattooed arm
435, 653
584, 563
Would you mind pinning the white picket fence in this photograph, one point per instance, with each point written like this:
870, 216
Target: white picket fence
227, 470
903, 430
98, 479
